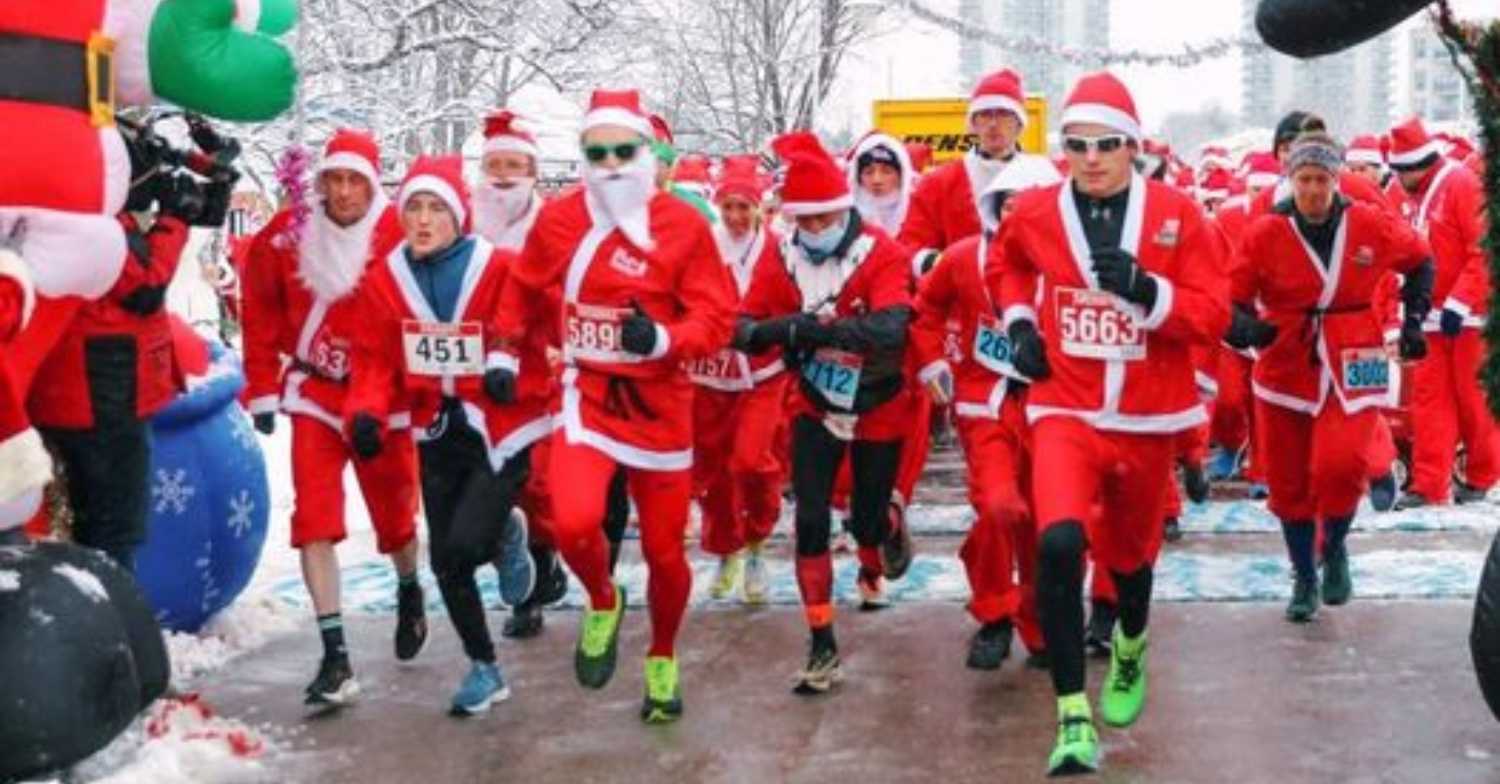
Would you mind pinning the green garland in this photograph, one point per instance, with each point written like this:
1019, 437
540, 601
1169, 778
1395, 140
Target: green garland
1476, 53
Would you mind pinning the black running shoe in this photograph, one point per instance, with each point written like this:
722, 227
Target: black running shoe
411, 622
334, 685
525, 621
1195, 482
1171, 530
1411, 501
552, 579
822, 673
990, 645
1101, 628
1466, 494
895, 553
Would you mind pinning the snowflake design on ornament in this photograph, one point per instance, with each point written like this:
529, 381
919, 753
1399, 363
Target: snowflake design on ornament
240, 432
172, 491
240, 509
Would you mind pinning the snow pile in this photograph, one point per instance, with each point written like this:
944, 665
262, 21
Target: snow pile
181, 741
244, 626
10, 580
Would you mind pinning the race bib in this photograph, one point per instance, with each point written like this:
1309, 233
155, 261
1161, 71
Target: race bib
992, 346
1366, 370
438, 349
1094, 327
835, 374
330, 358
592, 332
724, 370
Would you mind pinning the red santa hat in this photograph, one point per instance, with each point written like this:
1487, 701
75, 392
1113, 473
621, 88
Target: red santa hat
1000, 90
1217, 186
1410, 144
1261, 170
1215, 156
443, 177
1102, 98
1459, 148
1365, 148
693, 169
812, 183
617, 107
920, 154
353, 150
739, 178
503, 134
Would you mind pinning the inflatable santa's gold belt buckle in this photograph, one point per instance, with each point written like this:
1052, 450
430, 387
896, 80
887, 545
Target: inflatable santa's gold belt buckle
101, 78
67, 74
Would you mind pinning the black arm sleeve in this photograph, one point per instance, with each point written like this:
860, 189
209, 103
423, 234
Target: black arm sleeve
883, 330
1416, 290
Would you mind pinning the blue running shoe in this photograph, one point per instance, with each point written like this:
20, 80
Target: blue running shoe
483, 686
1259, 491
514, 565
1383, 493
1223, 464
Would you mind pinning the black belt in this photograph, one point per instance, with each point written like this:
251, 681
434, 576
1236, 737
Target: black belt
52, 72
1312, 324
622, 395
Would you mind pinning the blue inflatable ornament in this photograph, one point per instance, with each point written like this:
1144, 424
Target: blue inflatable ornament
210, 502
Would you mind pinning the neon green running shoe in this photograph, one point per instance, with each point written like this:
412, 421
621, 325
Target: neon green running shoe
1124, 693
1077, 747
598, 638
663, 702
730, 568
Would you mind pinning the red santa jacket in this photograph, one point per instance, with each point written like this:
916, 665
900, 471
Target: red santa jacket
1114, 364
943, 208
870, 276
298, 342
1449, 213
955, 290
1328, 331
729, 370
638, 410
79, 368
1397, 196
404, 352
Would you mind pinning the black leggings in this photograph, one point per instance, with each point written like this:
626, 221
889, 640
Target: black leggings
467, 504
816, 455
108, 482
1059, 595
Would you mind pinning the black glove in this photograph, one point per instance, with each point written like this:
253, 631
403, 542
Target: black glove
215, 205
638, 332
1119, 273
500, 385
181, 197
1412, 344
144, 300
364, 435
1027, 351
1245, 330
1451, 322
810, 334
266, 423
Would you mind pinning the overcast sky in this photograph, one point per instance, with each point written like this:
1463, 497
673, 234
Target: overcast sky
917, 59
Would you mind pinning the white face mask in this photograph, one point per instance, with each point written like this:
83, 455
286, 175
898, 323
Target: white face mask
823, 243
624, 195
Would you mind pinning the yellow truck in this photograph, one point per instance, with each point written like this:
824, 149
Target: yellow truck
942, 123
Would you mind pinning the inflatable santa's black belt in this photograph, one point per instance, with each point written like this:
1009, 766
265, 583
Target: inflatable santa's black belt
53, 72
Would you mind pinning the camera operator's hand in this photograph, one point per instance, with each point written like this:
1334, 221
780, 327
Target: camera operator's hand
215, 205
182, 197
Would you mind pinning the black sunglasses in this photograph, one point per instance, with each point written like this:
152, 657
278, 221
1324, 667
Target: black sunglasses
1080, 145
625, 153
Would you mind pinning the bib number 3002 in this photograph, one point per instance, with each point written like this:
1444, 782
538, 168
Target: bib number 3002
1094, 327
437, 349
1366, 370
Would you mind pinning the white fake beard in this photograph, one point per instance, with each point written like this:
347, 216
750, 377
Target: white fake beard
625, 196
498, 211
332, 258
883, 211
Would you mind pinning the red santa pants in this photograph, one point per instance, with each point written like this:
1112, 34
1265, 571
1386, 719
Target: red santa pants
1382, 449
1002, 543
1230, 424
536, 496
1117, 480
757, 472
1448, 406
387, 481
1317, 468
661, 498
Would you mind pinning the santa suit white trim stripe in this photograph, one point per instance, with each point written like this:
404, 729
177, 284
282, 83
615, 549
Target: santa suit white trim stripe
265, 404
437, 186
632, 456
499, 360
1016, 313
510, 446
768, 372
1432, 147
406, 281
510, 144
1126, 423
796, 208
1101, 114
991, 407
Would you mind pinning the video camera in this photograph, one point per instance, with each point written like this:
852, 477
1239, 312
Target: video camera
163, 174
